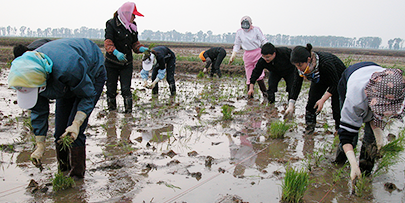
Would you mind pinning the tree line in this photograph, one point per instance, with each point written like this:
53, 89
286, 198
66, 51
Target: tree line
208, 37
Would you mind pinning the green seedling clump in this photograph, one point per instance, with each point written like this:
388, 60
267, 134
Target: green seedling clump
227, 112
295, 184
61, 182
66, 142
278, 129
201, 75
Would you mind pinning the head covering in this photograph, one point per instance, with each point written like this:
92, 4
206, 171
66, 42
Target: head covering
27, 73
202, 56
248, 19
148, 63
385, 92
125, 13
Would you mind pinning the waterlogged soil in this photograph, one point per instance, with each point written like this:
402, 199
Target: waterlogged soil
184, 149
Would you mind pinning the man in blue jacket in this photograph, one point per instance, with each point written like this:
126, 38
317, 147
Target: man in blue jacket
72, 72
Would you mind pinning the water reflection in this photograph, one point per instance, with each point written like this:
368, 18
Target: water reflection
242, 155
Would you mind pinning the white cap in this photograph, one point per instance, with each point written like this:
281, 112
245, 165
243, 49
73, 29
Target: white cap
27, 97
148, 63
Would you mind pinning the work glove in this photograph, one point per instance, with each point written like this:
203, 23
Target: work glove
355, 172
36, 156
161, 74
291, 107
145, 83
232, 57
204, 70
152, 85
120, 56
73, 130
143, 49
379, 137
144, 74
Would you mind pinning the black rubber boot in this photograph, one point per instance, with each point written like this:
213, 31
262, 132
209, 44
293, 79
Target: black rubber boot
310, 121
368, 154
340, 157
172, 89
111, 103
62, 155
77, 162
128, 104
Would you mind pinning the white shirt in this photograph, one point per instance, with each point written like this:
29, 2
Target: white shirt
249, 40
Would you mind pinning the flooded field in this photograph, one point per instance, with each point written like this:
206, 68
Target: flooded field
183, 149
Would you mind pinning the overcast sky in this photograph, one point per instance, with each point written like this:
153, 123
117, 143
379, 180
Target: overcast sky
347, 18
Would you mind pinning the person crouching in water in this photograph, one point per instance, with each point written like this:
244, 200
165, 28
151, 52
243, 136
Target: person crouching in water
72, 72
213, 57
161, 60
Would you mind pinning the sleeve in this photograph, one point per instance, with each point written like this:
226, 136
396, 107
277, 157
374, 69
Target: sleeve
39, 116
136, 45
350, 122
109, 37
331, 75
296, 88
237, 43
208, 62
261, 37
257, 71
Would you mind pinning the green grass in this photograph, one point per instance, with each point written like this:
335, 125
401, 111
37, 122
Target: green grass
294, 185
390, 154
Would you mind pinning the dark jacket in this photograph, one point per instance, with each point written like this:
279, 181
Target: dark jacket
122, 40
163, 54
330, 70
213, 52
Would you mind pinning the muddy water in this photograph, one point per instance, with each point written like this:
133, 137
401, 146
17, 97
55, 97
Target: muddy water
181, 150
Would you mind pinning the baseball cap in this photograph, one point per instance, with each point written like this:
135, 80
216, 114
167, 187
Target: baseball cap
149, 62
136, 12
27, 96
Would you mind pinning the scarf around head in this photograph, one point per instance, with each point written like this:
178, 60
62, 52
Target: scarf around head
125, 14
30, 70
385, 92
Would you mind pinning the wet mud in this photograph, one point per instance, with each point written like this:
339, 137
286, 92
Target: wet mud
181, 149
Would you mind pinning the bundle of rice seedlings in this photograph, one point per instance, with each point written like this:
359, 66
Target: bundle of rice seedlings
278, 129
61, 182
294, 185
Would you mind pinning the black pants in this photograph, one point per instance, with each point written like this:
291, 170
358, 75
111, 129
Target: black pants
66, 109
274, 79
316, 92
216, 63
117, 72
170, 69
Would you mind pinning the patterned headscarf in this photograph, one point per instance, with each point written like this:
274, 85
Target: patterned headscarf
30, 70
125, 13
385, 92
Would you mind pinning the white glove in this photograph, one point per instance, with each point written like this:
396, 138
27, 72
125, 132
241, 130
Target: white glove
204, 70
290, 109
355, 172
36, 156
73, 130
232, 57
379, 137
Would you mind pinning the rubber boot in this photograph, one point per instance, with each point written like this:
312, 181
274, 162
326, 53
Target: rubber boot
128, 104
62, 155
172, 89
155, 89
310, 121
367, 158
263, 88
111, 103
77, 162
340, 156
219, 73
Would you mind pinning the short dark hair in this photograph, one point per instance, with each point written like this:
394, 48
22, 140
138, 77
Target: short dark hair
19, 50
268, 48
300, 54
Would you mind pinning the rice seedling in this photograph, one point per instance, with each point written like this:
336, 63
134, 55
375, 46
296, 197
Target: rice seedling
348, 61
362, 186
278, 128
61, 182
340, 174
201, 75
227, 112
390, 154
66, 142
294, 185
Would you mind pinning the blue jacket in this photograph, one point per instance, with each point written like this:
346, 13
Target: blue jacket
77, 63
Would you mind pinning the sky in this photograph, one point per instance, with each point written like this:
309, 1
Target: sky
346, 18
